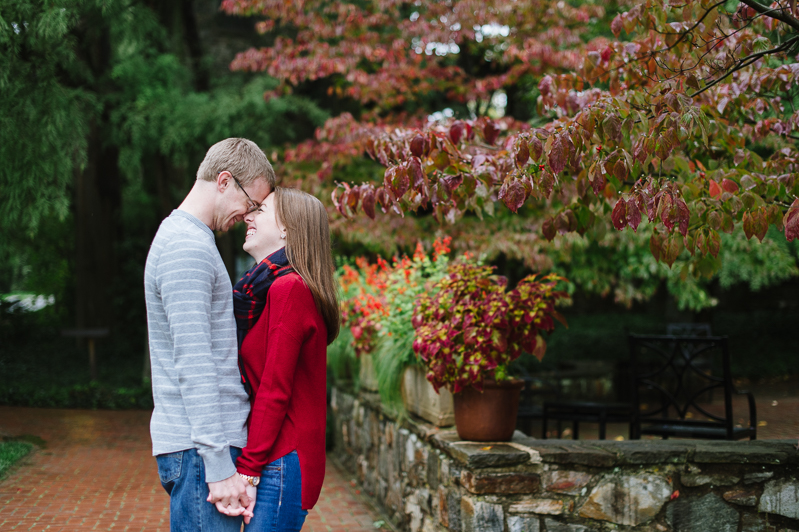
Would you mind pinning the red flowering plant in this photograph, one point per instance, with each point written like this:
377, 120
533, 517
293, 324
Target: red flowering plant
469, 327
405, 284
362, 305
377, 305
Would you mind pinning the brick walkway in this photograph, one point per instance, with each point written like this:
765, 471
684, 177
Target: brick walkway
95, 472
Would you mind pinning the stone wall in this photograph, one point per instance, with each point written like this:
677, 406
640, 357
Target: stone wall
425, 479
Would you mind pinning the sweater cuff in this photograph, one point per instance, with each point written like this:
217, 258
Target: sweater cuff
218, 464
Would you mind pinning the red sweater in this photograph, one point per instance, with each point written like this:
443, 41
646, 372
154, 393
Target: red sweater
285, 357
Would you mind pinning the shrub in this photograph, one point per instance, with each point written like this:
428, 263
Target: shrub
469, 327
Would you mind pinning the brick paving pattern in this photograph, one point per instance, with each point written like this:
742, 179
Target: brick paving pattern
95, 472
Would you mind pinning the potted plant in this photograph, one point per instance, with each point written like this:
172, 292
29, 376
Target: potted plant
469, 327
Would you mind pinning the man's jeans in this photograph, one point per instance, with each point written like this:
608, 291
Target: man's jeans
183, 477
278, 505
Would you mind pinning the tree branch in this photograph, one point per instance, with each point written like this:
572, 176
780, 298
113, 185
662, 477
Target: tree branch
748, 60
773, 13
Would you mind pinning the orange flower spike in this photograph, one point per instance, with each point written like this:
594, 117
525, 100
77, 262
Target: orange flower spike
362, 263
441, 246
419, 254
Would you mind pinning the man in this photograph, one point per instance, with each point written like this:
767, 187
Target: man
198, 425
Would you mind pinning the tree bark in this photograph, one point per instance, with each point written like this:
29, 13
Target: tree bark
97, 196
97, 201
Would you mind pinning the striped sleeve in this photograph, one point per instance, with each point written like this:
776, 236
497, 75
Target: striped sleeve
185, 278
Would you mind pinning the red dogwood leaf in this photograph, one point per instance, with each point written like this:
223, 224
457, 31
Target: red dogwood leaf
417, 146
729, 185
671, 248
557, 156
619, 215
513, 194
616, 26
456, 131
548, 229
536, 148
546, 182
655, 244
791, 221
490, 132
368, 202
715, 189
633, 214
522, 152
683, 216
611, 126
599, 183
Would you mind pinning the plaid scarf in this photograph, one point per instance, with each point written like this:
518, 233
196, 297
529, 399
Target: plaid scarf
249, 298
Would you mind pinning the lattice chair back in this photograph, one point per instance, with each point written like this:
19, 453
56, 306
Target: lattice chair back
688, 329
673, 384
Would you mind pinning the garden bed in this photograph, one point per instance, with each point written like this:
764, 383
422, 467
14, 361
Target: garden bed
427, 480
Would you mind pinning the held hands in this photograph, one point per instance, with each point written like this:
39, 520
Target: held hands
251, 493
230, 497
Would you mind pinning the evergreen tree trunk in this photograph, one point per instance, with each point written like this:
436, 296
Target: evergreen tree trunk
97, 201
97, 196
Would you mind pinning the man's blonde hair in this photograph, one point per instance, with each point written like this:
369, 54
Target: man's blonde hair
241, 157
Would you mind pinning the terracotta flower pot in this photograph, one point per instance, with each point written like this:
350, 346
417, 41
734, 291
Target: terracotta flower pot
490, 415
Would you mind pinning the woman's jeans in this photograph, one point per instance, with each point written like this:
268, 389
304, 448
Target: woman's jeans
183, 477
278, 505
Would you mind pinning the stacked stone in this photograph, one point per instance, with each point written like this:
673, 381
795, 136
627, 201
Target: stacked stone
426, 480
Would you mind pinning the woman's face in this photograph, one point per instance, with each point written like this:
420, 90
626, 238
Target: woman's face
263, 231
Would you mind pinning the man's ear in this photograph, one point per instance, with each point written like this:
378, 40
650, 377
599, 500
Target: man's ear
223, 180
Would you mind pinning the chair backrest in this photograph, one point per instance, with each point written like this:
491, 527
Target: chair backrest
538, 387
671, 377
688, 329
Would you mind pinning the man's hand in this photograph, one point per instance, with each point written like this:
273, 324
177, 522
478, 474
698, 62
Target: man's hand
229, 495
252, 491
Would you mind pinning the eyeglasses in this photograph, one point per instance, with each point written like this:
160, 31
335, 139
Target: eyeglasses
254, 205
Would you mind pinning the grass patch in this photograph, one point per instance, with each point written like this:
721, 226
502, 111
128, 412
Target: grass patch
12, 452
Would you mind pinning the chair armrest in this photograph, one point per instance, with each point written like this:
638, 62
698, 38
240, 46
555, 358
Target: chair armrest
752, 407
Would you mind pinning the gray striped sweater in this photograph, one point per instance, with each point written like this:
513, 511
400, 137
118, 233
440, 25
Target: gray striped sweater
199, 400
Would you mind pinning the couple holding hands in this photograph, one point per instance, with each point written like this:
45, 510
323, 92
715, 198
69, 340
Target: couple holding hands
239, 373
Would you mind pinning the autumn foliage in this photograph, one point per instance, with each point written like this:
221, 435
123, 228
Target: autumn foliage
685, 118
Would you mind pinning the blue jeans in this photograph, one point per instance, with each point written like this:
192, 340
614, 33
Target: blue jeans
278, 505
183, 477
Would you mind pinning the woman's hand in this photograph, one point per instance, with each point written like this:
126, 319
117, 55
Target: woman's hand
252, 491
229, 495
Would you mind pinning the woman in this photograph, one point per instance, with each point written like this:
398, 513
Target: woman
287, 313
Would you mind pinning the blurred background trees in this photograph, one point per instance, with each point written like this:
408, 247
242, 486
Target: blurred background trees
108, 106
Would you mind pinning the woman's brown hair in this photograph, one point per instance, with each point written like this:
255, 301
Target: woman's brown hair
308, 250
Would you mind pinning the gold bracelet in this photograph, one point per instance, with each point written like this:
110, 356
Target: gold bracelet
252, 481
